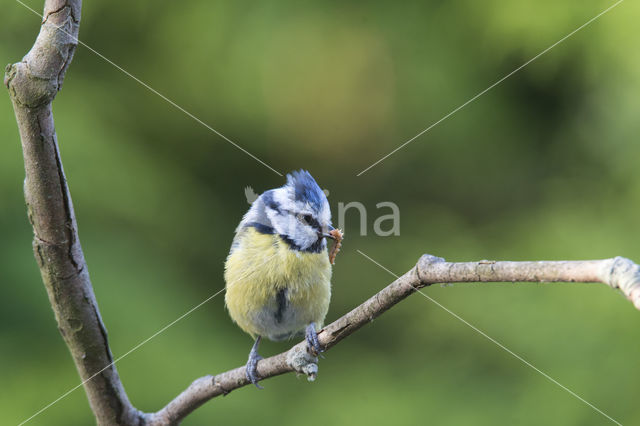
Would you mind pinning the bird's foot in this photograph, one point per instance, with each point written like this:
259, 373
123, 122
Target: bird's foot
311, 336
252, 365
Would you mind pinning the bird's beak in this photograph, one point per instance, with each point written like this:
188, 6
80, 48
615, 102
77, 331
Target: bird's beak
326, 234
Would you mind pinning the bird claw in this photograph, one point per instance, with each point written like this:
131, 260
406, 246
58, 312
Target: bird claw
251, 370
313, 344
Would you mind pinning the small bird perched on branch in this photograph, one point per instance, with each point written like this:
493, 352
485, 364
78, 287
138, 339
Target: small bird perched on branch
278, 273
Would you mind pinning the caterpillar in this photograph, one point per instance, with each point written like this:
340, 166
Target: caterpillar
337, 236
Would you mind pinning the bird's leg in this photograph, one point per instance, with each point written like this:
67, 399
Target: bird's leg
252, 364
311, 335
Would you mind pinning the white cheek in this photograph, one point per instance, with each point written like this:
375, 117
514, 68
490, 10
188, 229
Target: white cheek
288, 225
304, 236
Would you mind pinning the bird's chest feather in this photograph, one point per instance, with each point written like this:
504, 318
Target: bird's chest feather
275, 291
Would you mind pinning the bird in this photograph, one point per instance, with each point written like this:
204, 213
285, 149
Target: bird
278, 274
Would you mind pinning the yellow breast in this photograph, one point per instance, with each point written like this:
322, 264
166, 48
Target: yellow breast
260, 271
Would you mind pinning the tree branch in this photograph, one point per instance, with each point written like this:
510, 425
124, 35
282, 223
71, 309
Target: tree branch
617, 273
33, 84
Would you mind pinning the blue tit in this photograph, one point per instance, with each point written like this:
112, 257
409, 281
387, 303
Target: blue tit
278, 274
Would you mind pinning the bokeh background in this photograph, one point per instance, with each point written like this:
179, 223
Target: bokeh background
544, 166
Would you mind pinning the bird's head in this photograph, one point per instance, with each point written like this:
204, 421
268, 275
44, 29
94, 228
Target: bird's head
298, 211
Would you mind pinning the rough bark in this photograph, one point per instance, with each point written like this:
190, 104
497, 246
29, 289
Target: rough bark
33, 84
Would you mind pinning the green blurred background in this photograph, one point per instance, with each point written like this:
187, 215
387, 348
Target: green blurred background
544, 166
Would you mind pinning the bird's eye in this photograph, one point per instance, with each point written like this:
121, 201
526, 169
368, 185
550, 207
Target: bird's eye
307, 218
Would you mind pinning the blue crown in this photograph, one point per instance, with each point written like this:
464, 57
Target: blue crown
305, 188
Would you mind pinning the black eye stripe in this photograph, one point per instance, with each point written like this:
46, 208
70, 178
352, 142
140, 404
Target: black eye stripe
307, 218
310, 220
313, 222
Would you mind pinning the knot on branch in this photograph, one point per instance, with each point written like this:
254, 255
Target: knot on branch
426, 262
26, 88
625, 275
303, 362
